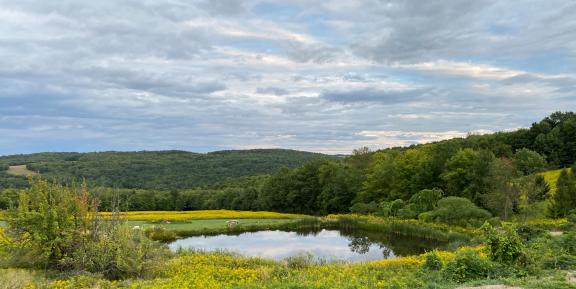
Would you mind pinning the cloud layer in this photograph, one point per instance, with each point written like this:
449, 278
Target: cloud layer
229, 74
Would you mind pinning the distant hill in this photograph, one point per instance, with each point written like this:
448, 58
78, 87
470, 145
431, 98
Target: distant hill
150, 169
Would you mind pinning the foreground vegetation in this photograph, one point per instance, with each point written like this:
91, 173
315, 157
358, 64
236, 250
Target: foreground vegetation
56, 239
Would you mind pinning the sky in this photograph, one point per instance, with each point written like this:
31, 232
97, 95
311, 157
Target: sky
326, 76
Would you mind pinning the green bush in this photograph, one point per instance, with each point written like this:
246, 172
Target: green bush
433, 262
567, 242
504, 245
562, 262
300, 261
58, 227
530, 232
468, 265
160, 234
456, 211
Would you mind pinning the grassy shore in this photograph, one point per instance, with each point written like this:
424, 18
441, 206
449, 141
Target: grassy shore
221, 270
217, 270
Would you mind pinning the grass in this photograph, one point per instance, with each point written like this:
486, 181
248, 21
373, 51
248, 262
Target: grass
221, 270
208, 225
551, 178
20, 170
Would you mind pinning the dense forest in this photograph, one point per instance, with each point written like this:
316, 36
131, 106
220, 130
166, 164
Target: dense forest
495, 174
151, 169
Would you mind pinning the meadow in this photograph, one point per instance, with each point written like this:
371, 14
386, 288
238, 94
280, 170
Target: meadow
153, 216
465, 266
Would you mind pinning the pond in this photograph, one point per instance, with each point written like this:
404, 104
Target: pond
328, 245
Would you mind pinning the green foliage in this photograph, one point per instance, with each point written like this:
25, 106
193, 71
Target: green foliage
564, 200
159, 234
432, 262
58, 227
154, 170
562, 262
456, 211
318, 187
8, 198
528, 161
502, 195
468, 265
363, 208
504, 245
426, 200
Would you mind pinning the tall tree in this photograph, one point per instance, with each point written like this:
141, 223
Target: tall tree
528, 161
502, 196
564, 199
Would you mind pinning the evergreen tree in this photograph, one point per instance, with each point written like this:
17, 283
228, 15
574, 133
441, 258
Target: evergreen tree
564, 200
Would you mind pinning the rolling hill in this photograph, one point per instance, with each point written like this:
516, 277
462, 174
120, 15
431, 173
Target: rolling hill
150, 169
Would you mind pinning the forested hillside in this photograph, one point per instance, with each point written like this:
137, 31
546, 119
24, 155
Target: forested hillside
500, 173
152, 170
497, 172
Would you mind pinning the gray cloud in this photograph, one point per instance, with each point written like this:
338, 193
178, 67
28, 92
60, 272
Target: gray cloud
206, 75
377, 95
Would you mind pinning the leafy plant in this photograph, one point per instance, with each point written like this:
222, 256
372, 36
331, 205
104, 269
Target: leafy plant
468, 265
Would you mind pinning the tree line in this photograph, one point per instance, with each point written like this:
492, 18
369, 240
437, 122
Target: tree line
496, 173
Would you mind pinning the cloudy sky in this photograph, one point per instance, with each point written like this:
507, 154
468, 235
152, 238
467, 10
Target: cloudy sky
326, 76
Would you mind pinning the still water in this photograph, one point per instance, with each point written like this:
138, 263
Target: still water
329, 245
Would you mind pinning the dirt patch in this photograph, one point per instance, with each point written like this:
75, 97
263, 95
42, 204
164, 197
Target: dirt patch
571, 277
491, 287
556, 233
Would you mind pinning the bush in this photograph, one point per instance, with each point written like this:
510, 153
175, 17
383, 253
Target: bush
562, 262
59, 228
567, 242
468, 265
433, 262
300, 261
160, 234
456, 211
505, 245
530, 232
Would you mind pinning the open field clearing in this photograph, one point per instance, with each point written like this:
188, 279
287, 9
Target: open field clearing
153, 216
210, 224
20, 170
551, 178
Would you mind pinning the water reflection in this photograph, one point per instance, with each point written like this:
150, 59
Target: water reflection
328, 245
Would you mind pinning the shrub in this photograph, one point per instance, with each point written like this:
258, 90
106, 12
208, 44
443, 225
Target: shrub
530, 232
468, 265
456, 211
504, 245
432, 262
300, 261
562, 262
567, 242
160, 234
58, 227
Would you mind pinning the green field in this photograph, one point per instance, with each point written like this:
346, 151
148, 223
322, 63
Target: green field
211, 224
20, 170
551, 178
